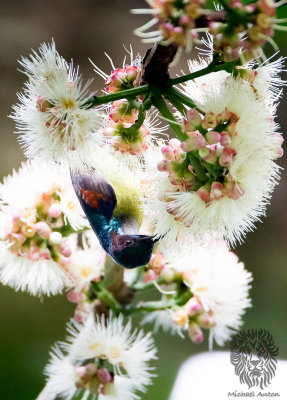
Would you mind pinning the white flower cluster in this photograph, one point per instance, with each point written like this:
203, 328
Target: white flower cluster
39, 215
218, 292
103, 360
51, 121
239, 152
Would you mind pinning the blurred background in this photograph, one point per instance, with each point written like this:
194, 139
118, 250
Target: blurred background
85, 29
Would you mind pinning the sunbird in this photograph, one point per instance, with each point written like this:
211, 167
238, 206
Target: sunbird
114, 213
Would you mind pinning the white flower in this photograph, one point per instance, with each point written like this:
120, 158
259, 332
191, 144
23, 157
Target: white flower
86, 265
115, 343
37, 235
163, 319
103, 359
51, 121
63, 378
229, 205
221, 284
37, 277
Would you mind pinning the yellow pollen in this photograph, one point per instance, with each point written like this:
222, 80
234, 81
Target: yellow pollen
68, 103
71, 205
86, 271
114, 352
95, 346
201, 289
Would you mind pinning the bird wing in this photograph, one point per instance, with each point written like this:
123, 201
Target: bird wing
95, 193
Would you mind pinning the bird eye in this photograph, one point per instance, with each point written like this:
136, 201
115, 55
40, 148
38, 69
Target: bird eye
128, 243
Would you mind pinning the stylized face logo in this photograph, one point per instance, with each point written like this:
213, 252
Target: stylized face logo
253, 354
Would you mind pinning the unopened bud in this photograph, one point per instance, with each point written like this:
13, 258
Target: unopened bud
55, 238
168, 274
55, 210
204, 194
216, 191
225, 139
205, 321
43, 229
104, 375
227, 156
180, 317
193, 306
195, 333
213, 137
208, 155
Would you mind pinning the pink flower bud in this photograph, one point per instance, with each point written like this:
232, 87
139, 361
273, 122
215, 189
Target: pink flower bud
215, 27
267, 7
55, 210
233, 190
104, 375
195, 141
225, 139
216, 191
149, 275
203, 193
227, 156
164, 165
43, 229
65, 250
193, 306
193, 120
131, 72
213, 137
75, 297
208, 155
205, 321
157, 263
180, 317
167, 153
195, 333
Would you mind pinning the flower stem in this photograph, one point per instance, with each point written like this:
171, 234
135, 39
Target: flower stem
173, 93
214, 66
198, 168
107, 98
160, 104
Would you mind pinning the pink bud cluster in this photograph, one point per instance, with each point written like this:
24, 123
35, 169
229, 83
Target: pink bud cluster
192, 317
174, 155
119, 136
122, 78
177, 20
35, 232
95, 380
260, 26
156, 266
211, 137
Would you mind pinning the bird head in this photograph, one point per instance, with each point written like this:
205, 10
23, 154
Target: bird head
131, 251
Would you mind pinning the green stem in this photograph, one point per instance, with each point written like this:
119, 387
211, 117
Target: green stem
214, 66
160, 104
198, 168
149, 306
174, 93
138, 123
107, 98
177, 104
107, 297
